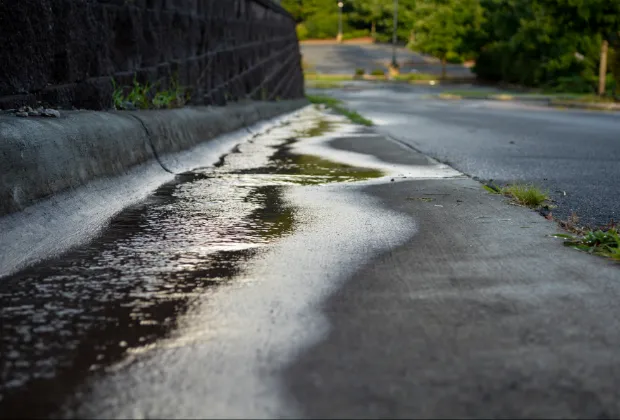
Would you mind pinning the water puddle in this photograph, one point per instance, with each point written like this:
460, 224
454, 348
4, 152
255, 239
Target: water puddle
71, 318
285, 167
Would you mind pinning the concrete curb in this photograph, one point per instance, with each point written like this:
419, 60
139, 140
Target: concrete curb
41, 157
74, 215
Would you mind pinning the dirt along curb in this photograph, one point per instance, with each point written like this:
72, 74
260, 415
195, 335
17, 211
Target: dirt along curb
538, 100
63, 178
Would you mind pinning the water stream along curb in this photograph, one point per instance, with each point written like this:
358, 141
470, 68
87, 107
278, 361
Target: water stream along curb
144, 289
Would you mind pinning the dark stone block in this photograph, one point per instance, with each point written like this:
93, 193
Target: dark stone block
94, 94
17, 101
62, 96
63, 52
26, 55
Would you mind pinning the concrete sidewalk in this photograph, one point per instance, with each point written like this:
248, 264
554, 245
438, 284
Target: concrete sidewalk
480, 314
412, 293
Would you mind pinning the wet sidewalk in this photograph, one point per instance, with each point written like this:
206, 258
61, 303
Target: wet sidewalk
318, 270
74, 317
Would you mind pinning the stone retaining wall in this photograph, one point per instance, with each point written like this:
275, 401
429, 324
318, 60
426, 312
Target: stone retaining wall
65, 53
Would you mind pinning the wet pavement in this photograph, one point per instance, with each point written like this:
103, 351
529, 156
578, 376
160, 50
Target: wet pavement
571, 154
347, 58
318, 270
72, 317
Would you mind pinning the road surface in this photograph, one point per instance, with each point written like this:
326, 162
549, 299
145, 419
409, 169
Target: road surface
346, 58
572, 154
319, 270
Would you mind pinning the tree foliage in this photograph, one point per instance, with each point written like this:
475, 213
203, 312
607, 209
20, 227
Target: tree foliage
447, 28
549, 43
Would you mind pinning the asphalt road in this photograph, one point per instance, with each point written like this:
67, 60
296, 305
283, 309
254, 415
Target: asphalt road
339, 276
346, 58
574, 155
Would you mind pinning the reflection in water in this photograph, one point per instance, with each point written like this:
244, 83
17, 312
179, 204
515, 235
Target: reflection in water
71, 317
285, 167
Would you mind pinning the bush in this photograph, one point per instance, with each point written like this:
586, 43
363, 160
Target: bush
454, 58
614, 64
377, 72
488, 65
360, 72
553, 66
360, 33
302, 32
572, 84
611, 86
322, 26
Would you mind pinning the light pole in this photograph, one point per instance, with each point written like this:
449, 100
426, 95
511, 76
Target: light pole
395, 35
340, 6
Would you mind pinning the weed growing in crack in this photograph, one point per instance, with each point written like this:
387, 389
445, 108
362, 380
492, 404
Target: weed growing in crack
138, 96
171, 98
599, 242
147, 96
525, 195
603, 241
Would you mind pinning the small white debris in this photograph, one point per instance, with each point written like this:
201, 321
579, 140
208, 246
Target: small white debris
48, 112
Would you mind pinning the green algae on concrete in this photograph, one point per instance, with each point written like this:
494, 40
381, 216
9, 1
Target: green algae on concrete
291, 168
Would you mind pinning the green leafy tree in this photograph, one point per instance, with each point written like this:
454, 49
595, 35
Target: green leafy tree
591, 18
443, 26
375, 12
549, 43
295, 8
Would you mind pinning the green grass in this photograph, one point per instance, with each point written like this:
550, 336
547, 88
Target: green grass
411, 77
474, 94
147, 96
525, 195
327, 77
353, 116
322, 126
324, 84
337, 106
332, 78
324, 100
599, 242
507, 95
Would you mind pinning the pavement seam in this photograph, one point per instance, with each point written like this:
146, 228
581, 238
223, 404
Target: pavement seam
432, 160
150, 137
